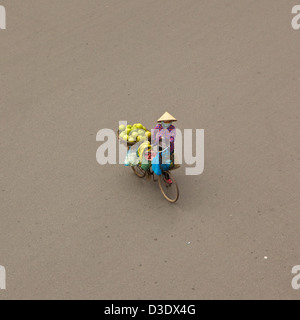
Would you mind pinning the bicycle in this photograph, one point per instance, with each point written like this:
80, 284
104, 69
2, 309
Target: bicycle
169, 189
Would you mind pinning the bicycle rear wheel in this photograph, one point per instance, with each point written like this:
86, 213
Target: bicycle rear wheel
169, 190
139, 171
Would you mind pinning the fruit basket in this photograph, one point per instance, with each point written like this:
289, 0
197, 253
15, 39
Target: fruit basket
131, 134
126, 143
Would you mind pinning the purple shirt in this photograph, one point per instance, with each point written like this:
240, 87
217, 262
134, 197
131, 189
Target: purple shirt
168, 134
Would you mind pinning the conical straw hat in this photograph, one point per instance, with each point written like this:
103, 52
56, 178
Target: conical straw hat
166, 117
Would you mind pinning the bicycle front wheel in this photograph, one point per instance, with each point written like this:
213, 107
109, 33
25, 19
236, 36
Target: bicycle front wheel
139, 171
169, 190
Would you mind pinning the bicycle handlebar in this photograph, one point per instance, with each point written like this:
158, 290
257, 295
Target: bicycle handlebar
163, 150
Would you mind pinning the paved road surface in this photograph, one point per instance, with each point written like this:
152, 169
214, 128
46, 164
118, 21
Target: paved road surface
70, 228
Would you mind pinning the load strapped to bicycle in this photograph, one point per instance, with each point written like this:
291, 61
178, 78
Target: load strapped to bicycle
158, 158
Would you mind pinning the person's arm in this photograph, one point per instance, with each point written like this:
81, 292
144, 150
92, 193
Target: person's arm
155, 132
172, 139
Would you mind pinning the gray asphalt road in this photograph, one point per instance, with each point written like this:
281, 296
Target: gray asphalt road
72, 229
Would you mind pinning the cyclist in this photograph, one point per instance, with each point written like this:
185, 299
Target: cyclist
164, 135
